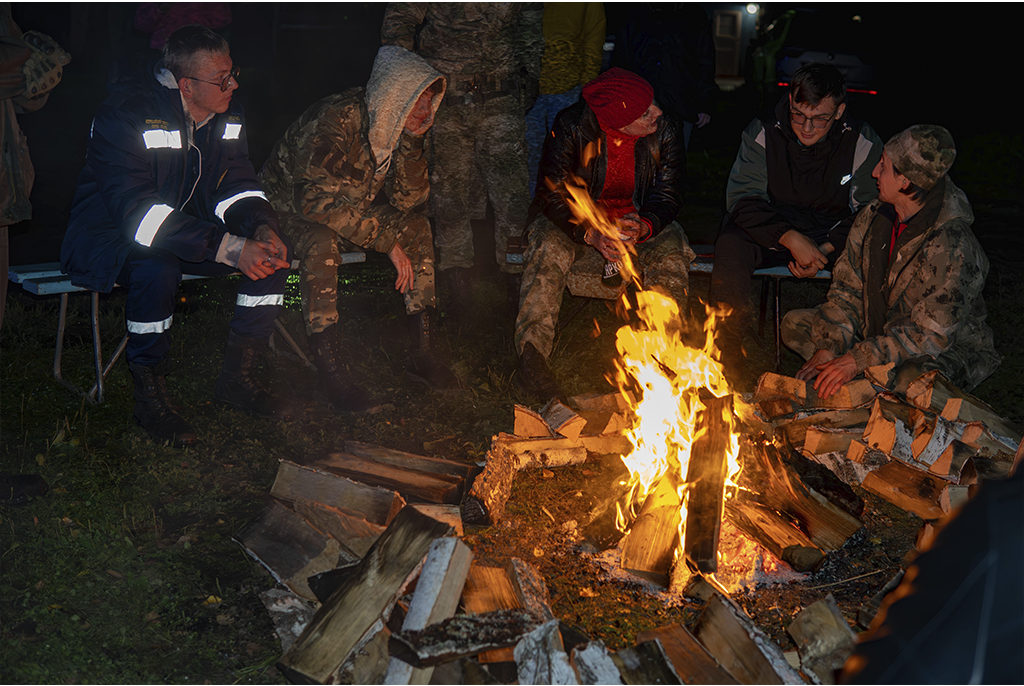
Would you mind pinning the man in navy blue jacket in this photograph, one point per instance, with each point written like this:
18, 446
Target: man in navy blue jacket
168, 189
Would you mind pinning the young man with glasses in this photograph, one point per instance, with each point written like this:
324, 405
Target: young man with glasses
799, 177
168, 189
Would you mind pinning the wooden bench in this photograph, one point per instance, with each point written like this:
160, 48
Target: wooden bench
47, 279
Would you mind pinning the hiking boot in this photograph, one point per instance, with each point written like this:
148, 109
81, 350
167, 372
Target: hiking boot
237, 386
335, 384
424, 367
535, 379
154, 411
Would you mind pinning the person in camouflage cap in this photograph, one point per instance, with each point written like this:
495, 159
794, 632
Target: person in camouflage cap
908, 288
490, 53
323, 176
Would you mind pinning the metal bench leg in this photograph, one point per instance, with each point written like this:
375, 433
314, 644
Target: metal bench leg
95, 394
765, 287
61, 321
292, 344
778, 330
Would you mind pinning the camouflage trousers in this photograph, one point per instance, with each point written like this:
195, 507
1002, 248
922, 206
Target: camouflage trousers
553, 261
954, 363
479, 156
318, 248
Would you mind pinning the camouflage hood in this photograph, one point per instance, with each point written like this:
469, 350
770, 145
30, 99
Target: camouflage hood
398, 79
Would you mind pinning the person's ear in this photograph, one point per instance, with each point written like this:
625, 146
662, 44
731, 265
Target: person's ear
840, 110
185, 85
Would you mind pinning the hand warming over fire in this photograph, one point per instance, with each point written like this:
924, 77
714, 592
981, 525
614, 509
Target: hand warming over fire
404, 266
832, 374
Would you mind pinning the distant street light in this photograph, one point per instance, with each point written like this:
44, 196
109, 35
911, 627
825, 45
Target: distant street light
752, 8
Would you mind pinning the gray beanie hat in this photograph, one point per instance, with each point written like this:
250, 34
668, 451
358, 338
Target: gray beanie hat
922, 153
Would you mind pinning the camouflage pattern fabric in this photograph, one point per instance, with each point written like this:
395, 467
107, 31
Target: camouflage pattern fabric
935, 306
491, 56
479, 155
321, 175
553, 259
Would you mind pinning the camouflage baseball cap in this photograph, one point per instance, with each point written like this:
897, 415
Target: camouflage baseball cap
923, 153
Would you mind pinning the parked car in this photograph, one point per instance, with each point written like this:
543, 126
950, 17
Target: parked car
839, 37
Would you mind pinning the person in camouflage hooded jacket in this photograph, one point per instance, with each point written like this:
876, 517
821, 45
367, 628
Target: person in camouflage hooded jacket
908, 288
323, 177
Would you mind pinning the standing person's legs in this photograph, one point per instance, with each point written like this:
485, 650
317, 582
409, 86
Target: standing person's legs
454, 182
550, 256
501, 157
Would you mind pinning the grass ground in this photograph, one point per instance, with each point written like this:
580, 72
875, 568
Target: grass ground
126, 572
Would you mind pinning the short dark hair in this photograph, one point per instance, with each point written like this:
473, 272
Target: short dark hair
814, 82
189, 43
915, 192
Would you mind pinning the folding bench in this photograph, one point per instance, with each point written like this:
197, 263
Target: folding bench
47, 279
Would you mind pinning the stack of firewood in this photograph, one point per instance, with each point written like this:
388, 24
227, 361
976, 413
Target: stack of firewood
921, 449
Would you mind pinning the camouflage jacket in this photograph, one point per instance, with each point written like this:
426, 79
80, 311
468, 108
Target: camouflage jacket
501, 39
323, 170
935, 302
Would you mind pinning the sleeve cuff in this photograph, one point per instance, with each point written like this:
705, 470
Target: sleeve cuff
230, 250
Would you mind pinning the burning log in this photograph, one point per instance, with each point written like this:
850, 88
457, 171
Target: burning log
827, 525
541, 658
691, 660
823, 638
375, 505
436, 598
412, 484
775, 533
290, 548
932, 391
740, 647
461, 636
706, 479
649, 548
364, 597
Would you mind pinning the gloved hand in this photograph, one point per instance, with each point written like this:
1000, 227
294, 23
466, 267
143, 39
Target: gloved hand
44, 67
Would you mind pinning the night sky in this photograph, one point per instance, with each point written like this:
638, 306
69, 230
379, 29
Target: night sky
946, 63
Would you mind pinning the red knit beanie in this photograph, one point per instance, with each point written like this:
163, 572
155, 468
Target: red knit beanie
618, 97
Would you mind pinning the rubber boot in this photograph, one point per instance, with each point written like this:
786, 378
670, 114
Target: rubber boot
424, 367
460, 295
535, 378
237, 386
154, 411
335, 384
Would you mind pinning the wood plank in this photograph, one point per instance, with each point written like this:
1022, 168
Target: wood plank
562, 420
530, 589
541, 657
364, 597
649, 548
911, 489
461, 636
932, 391
824, 440
437, 596
449, 514
420, 463
412, 484
594, 665
705, 478
599, 422
608, 444
375, 505
795, 430
775, 533
823, 638
290, 548
485, 503
354, 533
529, 424
488, 589
646, 663
692, 661
740, 647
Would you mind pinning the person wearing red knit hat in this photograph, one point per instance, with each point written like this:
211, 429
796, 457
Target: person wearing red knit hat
617, 145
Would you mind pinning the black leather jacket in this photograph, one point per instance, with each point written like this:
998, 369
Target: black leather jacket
660, 170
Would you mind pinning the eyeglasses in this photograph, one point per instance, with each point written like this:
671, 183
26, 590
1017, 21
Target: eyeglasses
233, 74
816, 122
